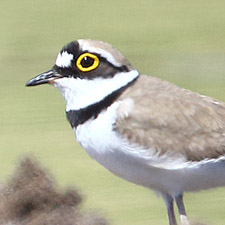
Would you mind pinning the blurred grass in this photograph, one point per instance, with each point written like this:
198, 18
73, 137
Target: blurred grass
179, 41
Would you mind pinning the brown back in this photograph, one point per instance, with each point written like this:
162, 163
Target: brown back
167, 118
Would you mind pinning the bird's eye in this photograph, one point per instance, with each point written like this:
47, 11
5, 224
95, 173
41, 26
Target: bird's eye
87, 62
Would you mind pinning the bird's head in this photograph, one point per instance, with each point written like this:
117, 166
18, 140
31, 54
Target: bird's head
86, 71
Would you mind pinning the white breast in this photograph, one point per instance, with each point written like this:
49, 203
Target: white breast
145, 167
102, 143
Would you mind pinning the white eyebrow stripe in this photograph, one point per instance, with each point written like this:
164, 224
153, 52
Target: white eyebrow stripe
86, 47
64, 59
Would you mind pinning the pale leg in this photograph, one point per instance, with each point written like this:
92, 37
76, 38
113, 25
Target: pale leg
170, 210
181, 209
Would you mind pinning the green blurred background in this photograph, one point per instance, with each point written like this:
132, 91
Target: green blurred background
179, 41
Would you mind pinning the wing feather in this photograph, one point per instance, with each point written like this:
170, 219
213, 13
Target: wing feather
166, 118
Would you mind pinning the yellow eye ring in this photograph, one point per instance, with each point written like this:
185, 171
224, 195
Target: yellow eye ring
92, 62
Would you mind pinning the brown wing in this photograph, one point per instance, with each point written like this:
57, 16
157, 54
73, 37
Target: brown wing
162, 116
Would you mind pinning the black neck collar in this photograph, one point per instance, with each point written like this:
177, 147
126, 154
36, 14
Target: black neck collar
77, 117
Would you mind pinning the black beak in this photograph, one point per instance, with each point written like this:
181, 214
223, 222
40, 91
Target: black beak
47, 77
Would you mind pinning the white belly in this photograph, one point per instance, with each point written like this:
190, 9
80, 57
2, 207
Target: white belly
143, 166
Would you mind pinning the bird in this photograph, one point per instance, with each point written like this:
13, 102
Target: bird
141, 128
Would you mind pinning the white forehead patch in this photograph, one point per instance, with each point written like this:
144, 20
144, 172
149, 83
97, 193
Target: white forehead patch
64, 59
87, 47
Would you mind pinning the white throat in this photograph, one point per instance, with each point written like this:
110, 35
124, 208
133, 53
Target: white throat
80, 93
